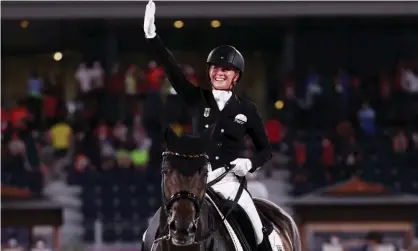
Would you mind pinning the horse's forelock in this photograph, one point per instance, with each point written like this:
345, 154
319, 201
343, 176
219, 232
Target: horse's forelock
185, 166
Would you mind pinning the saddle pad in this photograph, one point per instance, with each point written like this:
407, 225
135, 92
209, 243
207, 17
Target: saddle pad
231, 232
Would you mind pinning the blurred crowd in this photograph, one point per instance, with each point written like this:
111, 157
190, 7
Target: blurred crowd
340, 123
112, 123
337, 126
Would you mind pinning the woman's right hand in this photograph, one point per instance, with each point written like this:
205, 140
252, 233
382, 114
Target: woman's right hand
149, 18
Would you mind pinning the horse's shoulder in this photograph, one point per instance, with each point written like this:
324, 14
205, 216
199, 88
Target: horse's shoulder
152, 231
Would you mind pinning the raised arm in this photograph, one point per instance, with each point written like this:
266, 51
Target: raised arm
178, 80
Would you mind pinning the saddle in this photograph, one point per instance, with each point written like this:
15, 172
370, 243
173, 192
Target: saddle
240, 221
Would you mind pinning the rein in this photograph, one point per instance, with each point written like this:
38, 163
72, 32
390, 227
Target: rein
196, 201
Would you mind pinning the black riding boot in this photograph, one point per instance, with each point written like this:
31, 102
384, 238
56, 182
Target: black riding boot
265, 244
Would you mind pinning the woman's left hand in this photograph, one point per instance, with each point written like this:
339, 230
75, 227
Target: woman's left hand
242, 166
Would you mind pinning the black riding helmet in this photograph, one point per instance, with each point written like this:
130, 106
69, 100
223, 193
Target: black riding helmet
227, 56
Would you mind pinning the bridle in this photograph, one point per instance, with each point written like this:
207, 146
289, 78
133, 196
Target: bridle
168, 202
185, 195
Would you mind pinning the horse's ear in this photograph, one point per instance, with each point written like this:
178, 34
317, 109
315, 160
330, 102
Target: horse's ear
208, 134
170, 135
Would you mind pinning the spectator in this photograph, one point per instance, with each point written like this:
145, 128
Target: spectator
352, 158
20, 116
274, 131
50, 105
191, 75
12, 245
155, 76
140, 157
123, 158
372, 240
415, 140
400, 142
345, 130
120, 132
140, 137
81, 163
35, 85
107, 152
313, 89
328, 153
366, 117
40, 245
131, 83
97, 75
16, 145
342, 84
384, 87
61, 138
102, 132
17, 149
289, 87
409, 81
300, 152
84, 79
116, 80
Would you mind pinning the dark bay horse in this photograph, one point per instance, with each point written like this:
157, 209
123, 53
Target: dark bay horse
188, 220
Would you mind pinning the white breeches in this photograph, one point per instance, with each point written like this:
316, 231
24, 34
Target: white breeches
228, 188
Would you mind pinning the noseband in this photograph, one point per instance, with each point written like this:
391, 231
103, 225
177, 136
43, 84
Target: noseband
186, 195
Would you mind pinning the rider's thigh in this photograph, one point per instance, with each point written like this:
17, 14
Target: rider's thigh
227, 189
246, 202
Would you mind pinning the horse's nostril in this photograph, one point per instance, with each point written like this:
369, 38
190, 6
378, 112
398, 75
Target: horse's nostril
173, 225
193, 229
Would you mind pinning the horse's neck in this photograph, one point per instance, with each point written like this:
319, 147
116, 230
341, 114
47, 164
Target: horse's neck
210, 220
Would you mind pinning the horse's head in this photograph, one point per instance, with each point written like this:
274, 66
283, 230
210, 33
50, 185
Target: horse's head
184, 175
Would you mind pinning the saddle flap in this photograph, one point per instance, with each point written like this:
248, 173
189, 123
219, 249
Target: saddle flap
246, 238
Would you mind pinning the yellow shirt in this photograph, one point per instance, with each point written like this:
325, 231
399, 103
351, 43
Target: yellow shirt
60, 134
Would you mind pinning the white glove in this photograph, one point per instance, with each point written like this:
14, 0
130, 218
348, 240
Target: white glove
242, 166
149, 18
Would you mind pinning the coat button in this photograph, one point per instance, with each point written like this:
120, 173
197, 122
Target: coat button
219, 144
222, 130
216, 157
207, 126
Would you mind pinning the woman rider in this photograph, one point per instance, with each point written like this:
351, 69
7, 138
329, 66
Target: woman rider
233, 117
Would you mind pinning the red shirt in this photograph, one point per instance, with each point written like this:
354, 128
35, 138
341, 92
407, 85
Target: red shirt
50, 106
300, 153
17, 114
102, 132
154, 77
328, 153
117, 83
273, 129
